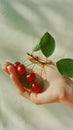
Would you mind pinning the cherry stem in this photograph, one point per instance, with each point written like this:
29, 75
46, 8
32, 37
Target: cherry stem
29, 64
24, 61
41, 70
46, 59
45, 73
32, 52
33, 67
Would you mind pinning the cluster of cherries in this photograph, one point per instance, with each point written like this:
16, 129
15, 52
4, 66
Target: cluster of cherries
30, 77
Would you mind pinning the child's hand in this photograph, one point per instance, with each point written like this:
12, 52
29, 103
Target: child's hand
57, 86
54, 84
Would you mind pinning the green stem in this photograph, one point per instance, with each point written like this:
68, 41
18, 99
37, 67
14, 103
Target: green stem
45, 73
33, 66
32, 52
46, 59
24, 61
41, 71
29, 64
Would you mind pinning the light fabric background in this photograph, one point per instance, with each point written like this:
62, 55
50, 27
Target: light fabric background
22, 23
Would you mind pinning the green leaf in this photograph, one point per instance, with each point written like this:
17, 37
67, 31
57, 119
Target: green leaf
47, 44
37, 47
65, 67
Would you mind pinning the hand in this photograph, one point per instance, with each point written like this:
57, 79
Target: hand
54, 83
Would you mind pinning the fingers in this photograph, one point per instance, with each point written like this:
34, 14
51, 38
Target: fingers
15, 79
17, 83
5, 66
22, 89
36, 98
11, 70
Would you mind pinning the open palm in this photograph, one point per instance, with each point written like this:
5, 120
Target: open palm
54, 84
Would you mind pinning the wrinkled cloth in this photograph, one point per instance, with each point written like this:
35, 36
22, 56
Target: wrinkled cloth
22, 23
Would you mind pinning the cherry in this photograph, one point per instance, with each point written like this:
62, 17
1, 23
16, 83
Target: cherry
35, 87
21, 69
30, 77
16, 64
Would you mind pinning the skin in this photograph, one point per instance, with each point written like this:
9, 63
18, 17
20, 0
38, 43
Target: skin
56, 87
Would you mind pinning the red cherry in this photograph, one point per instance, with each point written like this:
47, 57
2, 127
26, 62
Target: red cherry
21, 69
35, 87
16, 64
30, 77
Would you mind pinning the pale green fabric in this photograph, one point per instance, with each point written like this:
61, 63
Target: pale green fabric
22, 23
